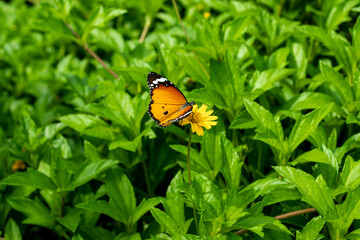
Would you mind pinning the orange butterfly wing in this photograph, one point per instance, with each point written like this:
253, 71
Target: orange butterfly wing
167, 104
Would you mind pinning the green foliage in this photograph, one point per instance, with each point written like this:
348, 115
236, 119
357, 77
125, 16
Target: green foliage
81, 159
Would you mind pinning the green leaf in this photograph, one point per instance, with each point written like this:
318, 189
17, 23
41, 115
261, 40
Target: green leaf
113, 13
175, 186
299, 59
354, 235
104, 207
99, 17
140, 103
235, 206
124, 143
356, 36
132, 145
36, 213
144, 207
91, 152
304, 126
265, 186
211, 151
312, 229
63, 147
319, 136
59, 171
128, 236
338, 45
315, 193
329, 172
351, 118
175, 201
204, 190
31, 133
107, 112
340, 84
235, 29
221, 82
231, 168
71, 220
351, 206
339, 14
209, 96
267, 78
121, 192
91, 232
348, 211
55, 26
263, 118
77, 237
278, 59
88, 125
314, 155
52, 129
32, 178
126, 108
269, 138
89, 170
284, 193
165, 221
194, 69
311, 100
349, 176
332, 141
350, 143
243, 121
256, 223
12, 230
195, 158
269, 130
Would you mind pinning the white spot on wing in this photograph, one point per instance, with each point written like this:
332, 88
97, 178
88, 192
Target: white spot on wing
160, 80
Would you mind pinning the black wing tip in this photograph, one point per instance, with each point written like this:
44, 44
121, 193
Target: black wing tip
152, 73
152, 76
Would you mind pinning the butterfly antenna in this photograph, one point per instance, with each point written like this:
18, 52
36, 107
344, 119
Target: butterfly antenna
196, 97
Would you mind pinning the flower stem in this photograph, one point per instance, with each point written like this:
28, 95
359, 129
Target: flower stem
146, 176
188, 157
283, 216
145, 29
189, 178
188, 39
91, 52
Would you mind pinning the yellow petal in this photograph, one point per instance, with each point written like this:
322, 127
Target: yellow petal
210, 118
208, 113
193, 127
202, 109
184, 122
207, 125
200, 131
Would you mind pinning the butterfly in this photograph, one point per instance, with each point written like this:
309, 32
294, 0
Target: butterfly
168, 104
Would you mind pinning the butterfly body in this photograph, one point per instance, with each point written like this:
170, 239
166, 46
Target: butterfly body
167, 104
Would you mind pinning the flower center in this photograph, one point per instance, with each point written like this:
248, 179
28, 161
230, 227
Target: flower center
195, 117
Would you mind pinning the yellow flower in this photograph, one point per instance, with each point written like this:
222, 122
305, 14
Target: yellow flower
207, 15
199, 118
